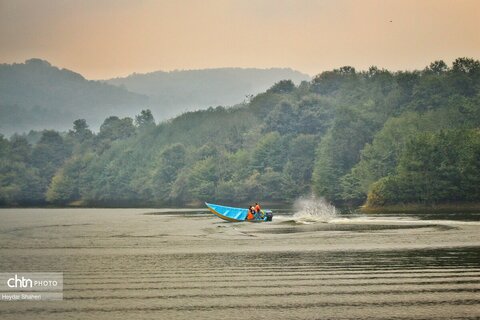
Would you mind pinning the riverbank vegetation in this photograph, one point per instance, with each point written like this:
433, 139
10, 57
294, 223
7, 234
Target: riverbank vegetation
374, 137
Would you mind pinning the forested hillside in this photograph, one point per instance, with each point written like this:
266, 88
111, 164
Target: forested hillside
373, 136
37, 95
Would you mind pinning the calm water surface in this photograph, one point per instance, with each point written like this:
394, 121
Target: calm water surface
188, 264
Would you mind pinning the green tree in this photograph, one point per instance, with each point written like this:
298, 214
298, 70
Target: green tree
269, 153
80, 131
68, 182
170, 162
283, 86
283, 119
339, 151
145, 119
437, 67
114, 128
203, 180
297, 173
20, 149
48, 155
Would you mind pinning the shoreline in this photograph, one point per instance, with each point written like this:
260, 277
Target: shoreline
191, 205
415, 207
397, 208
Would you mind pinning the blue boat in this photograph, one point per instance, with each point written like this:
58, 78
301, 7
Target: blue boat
237, 214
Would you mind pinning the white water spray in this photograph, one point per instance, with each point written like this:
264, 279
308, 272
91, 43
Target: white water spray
312, 209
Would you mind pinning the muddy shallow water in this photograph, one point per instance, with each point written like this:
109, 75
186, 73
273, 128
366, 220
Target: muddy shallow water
188, 264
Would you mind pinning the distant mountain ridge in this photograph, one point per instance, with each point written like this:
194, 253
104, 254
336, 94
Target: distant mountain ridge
187, 90
38, 95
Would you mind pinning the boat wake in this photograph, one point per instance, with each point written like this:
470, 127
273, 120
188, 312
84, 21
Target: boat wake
313, 210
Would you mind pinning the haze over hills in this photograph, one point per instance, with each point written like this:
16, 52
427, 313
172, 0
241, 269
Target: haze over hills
187, 90
36, 95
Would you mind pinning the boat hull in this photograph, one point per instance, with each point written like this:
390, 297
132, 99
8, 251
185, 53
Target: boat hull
232, 214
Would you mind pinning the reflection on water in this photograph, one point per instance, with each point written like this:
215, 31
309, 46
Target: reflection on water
182, 265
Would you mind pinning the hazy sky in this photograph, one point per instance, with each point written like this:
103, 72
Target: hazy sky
108, 38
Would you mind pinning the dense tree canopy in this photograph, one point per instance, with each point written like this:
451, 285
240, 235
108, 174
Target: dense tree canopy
352, 137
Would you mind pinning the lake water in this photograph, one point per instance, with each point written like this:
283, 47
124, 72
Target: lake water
189, 264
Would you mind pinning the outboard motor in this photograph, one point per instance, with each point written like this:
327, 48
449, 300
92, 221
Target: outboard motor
269, 216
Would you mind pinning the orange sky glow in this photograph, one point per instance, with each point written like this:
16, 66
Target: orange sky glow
108, 38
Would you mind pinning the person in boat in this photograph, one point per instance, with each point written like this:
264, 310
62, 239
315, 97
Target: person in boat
251, 213
258, 213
